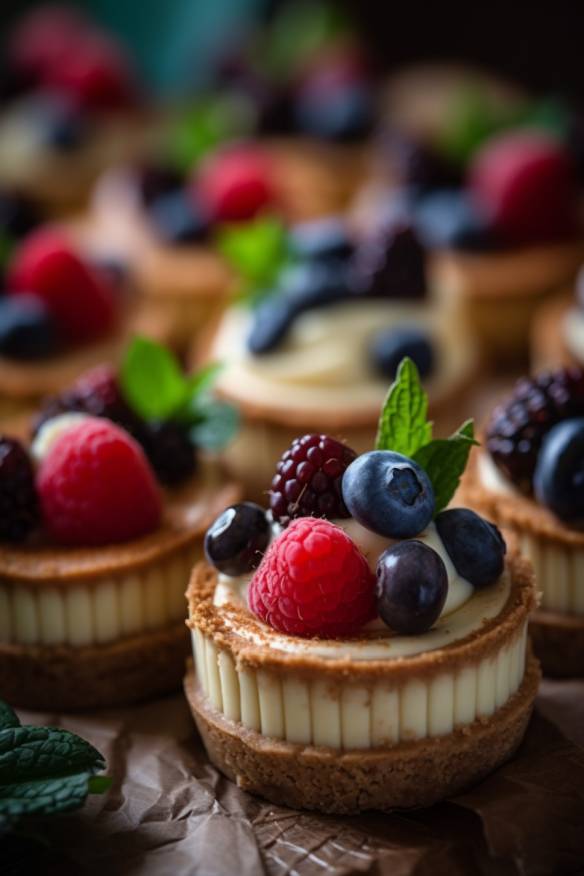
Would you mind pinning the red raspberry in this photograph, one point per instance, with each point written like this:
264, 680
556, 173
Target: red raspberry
96, 487
79, 299
234, 185
308, 479
42, 38
525, 183
95, 73
313, 581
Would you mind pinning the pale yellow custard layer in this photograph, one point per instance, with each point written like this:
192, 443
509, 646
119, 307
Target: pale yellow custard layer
353, 715
100, 611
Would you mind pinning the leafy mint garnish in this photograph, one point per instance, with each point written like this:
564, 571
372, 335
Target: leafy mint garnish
258, 251
404, 428
155, 387
214, 120
44, 770
403, 424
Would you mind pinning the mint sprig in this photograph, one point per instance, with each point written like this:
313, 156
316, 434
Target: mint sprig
156, 388
258, 251
404, 428
44, 770
403, 425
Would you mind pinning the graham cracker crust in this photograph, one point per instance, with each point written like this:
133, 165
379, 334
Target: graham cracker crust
63, 678
410, 774
558, 642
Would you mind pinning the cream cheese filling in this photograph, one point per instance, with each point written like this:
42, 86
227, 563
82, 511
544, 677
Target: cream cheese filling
573, 329
323, 362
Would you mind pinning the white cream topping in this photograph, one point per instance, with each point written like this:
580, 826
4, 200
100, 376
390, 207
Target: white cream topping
573, 328
323, 362
492, 478
460, 616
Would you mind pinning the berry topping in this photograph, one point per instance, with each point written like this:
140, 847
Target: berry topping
390, 345
418, 166
321, 239
389, 494
78, 298
95, 73
524, 182
97, 393
308, 479
517, 427
235, 185
474, 545
169, 450
178, 218
412, 585
391, 264
450, 219
313, 581
155, 180
236, 541
59, 122
50, 431
559, 475
27, 330
43, 37
341, 112
19, 510
96, 487
301, 287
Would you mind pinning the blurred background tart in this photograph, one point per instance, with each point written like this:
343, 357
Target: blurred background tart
527, 478
557, 336
103, 515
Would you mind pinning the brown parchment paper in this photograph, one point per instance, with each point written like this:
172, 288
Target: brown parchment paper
170, 812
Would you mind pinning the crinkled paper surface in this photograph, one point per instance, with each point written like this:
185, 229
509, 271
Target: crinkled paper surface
170, 812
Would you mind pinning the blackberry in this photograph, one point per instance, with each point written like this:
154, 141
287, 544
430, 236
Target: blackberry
308, 478
391, 263
19, 509
170, 452
517, 428
98, 394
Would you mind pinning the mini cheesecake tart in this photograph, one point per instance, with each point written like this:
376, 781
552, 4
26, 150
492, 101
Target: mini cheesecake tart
556, 552
88, 627
361, 646
181, 287
497, 295
319, 379
379, 721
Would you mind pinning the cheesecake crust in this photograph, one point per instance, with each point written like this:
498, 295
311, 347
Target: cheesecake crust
488, 639
558, 642
65, 678
416, 773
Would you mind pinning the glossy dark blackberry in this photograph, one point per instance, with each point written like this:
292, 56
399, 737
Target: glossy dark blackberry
517, 428
170, 452
308, 478
98, 394
391, 263
19, 510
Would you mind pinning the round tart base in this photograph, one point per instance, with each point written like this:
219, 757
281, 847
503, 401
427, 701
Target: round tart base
410, 774
558, 642
62, 678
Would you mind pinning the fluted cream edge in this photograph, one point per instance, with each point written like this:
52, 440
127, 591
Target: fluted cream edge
559, 573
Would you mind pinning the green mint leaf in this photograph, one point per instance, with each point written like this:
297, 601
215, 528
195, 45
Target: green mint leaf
299, 31
8, 717
214, 424
152, 381
257, 250
444, 461
99, 784
403, 425
202, 380
214, 120
45, 770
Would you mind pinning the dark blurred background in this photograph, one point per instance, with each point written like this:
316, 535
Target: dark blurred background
539, 45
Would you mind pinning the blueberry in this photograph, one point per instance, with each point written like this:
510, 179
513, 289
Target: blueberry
389, 494
412, 585
391, 263
271, 321
343, 113
474, 545
389, 346
419, 167
26, 329
448, 218
559, 474
60, 124
178, 219
235, 542
321, 239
